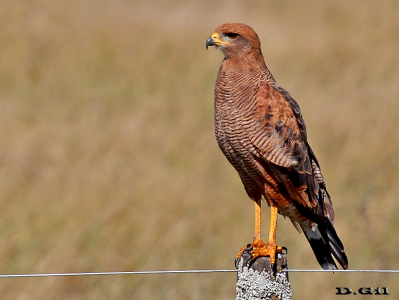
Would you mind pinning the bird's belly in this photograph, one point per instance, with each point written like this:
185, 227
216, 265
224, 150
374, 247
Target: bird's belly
235, 144
231, 139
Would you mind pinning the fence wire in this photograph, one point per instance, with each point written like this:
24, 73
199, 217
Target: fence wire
180, 272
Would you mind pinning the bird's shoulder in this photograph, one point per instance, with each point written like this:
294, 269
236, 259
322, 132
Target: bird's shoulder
280, 133
274, 106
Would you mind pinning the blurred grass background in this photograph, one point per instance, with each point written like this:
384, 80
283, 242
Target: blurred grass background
108, 160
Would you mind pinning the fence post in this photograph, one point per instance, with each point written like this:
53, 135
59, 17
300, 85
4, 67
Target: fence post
259, 281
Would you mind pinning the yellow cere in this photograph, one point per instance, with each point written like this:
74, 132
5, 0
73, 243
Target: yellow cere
217, 39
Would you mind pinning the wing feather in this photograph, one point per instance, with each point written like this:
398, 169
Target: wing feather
280, 139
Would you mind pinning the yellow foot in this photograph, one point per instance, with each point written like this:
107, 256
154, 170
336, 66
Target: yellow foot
260, 248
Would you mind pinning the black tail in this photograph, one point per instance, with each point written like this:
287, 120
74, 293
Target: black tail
325, 243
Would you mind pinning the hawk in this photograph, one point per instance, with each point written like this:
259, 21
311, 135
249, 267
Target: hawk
260, 129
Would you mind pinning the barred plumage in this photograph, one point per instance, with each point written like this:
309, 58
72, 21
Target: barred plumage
260, 129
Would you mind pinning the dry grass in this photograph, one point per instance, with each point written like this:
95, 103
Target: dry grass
108, 159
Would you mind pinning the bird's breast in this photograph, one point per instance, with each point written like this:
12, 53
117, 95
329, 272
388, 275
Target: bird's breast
234, 111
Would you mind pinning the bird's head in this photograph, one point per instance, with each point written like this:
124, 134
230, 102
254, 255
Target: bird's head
234, 39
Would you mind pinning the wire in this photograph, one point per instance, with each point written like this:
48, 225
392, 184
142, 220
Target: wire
343, 271
114, 273
181, 272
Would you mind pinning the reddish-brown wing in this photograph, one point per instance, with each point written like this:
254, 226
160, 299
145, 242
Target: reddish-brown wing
280, 139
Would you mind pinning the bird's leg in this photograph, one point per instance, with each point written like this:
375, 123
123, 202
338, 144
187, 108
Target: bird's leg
272, 234
258, 220
260, 248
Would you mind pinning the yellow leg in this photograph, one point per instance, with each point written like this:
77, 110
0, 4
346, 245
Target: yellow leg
258, 219
260, 248
273, 225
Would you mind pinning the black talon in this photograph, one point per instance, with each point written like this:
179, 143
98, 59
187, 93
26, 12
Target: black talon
249, 262
273, 267
236, 261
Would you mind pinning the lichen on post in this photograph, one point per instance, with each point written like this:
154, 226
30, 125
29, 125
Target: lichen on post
259, 281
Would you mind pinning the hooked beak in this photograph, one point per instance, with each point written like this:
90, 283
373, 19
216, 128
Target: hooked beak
214, 40
210, 42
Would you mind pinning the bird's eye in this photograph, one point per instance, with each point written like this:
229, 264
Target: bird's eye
232, 36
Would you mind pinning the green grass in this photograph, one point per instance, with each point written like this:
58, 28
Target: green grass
109, 163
